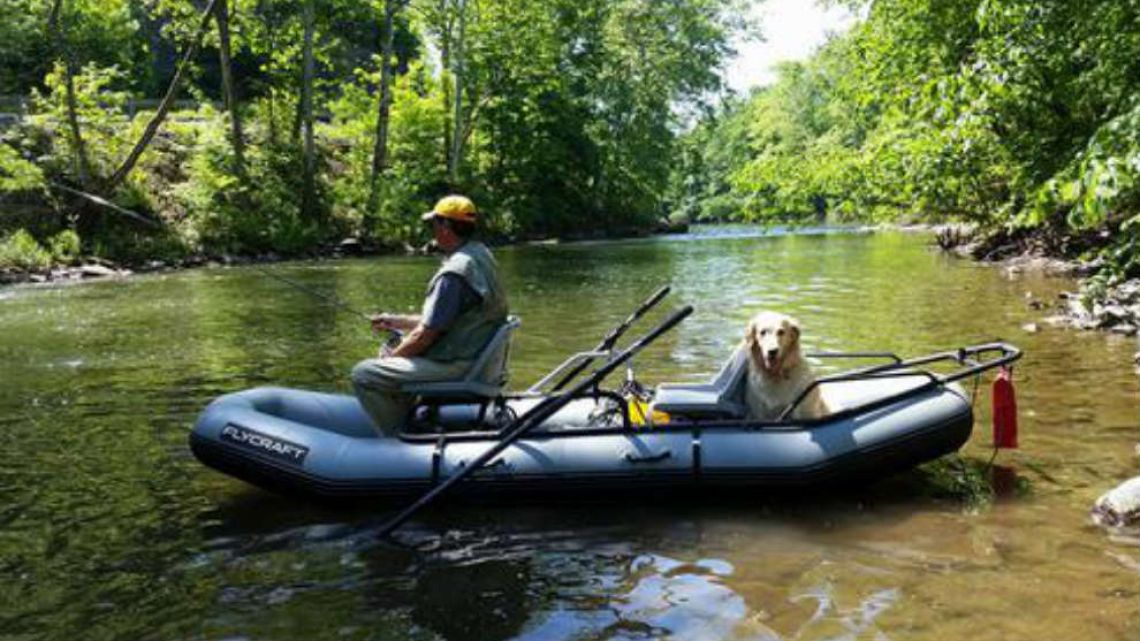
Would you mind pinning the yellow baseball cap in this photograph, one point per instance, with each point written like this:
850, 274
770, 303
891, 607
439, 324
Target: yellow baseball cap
453, 207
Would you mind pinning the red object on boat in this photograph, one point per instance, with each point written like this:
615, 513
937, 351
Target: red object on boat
1004, 410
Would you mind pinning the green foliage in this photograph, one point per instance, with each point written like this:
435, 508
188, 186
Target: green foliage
226, 214
100, 103
1011, 114
106, 31
559, 118
20, 251
415, 174
18, 174
579, 106
25, 43
64, 247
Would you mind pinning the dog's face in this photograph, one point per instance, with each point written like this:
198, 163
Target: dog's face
773, 342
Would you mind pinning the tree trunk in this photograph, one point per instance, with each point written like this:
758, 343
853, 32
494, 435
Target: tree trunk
164, 107
457, 127
63, 50
82, 164
445, 66
380, 149
229, 90
308, 193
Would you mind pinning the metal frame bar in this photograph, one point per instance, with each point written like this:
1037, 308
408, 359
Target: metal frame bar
1008, 352
566, 364
896, 369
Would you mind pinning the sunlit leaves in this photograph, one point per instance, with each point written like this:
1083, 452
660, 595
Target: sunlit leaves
1004, 112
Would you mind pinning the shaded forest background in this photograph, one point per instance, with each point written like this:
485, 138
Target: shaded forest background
283, 125
312, 120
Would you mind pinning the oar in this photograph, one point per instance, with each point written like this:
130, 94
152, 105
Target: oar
533, 417
611, 339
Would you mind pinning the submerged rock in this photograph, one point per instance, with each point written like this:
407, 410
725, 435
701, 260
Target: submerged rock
1128, 292
1126, 329
1119, 507
350, 246
1117, 310
97, 271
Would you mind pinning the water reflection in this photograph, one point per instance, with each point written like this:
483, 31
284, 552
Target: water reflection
616, 574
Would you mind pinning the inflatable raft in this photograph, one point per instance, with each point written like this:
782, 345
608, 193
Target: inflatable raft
889, 416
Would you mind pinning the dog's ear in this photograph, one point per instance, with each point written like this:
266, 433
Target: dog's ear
794, 325
750, 333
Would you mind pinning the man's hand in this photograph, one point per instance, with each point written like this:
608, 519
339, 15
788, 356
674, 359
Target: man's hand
382, 322
400, 322
416, 342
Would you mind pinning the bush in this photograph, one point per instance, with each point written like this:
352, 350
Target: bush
107, 132
64, 247
259, 214
21, 251
18, 174
415, 176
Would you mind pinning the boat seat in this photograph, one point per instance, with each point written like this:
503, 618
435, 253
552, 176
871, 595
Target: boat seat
483, 381
723, 397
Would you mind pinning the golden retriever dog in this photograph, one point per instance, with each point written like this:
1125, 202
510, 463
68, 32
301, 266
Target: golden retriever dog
777, 373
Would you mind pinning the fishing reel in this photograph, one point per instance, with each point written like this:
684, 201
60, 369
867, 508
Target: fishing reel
395, 337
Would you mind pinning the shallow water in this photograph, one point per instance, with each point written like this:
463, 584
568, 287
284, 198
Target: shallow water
109, 529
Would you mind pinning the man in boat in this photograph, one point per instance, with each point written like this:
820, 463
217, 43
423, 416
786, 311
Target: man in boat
464, 307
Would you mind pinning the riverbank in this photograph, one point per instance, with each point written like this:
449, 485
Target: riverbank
1116, 310
1110, 305
97, 268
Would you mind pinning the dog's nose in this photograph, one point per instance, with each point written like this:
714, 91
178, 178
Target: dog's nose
773, 353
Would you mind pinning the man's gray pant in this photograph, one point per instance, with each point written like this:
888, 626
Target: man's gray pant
377, 382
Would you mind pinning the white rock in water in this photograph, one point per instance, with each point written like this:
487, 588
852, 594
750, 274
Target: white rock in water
1128, 291
96, 271
1126, 329
1120, 506
1115, 312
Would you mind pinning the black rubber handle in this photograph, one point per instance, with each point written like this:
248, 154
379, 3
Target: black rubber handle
652, 458
614, 334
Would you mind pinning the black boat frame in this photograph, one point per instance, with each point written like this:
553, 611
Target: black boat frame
966, 357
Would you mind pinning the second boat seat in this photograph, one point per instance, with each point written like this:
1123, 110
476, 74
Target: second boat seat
721, 398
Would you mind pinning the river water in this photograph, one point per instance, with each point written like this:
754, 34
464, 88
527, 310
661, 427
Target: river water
109, 529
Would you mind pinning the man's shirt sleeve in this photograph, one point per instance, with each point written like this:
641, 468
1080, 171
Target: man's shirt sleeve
447, 299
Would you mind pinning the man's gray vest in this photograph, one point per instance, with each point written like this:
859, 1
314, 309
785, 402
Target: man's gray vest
474, 327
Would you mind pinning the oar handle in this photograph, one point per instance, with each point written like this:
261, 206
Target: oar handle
650, 303
614, 334
535, 416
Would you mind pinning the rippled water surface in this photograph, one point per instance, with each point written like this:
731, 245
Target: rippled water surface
109, 529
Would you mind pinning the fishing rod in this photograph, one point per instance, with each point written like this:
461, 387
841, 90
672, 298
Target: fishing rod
394, 335
328, 298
